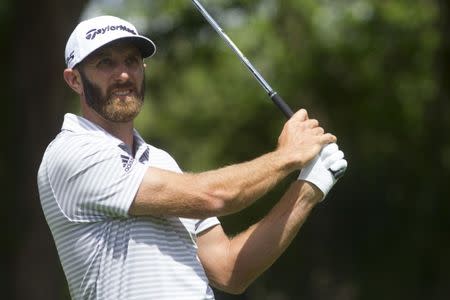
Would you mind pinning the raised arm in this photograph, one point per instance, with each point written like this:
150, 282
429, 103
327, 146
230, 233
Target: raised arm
232, 188
232, 264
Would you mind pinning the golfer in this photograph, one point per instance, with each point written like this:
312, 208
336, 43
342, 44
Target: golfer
127, 222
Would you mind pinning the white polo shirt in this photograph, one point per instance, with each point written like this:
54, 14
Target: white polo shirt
87, 181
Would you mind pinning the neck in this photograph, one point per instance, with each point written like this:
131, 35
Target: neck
122, 131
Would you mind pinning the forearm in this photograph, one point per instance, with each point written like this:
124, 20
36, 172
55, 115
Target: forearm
213, 193
232, 188
257, 248
238, 186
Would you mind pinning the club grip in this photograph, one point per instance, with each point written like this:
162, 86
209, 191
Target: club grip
287, 111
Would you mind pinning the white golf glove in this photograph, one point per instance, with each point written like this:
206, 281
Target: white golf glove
325, 169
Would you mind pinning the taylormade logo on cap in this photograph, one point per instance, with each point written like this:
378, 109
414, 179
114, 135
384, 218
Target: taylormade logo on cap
91, 34
94, 33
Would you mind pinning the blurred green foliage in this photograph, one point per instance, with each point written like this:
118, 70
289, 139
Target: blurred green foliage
368, 70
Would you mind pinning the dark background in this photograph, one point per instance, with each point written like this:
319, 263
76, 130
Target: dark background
376, 73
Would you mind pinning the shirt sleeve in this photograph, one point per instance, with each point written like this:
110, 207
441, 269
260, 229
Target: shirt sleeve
94, 180
202, 225
161, 159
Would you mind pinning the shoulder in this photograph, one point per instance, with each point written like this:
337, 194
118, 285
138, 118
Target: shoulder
162, 159
72, 149
73, 141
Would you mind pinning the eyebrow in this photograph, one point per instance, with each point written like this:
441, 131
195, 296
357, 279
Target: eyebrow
97, 55
101, 53
106, 52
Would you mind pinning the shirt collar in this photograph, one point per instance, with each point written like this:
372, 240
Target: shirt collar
142, 149
79, 124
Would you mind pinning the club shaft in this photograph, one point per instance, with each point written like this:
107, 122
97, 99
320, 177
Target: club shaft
277, 100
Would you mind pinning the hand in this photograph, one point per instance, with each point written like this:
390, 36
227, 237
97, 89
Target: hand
302, 139
325, 169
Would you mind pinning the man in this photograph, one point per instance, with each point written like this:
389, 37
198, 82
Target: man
127, 223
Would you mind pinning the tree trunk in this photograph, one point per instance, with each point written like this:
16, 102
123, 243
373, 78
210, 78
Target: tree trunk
40, 34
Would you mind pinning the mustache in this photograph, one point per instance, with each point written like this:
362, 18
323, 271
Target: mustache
122, 85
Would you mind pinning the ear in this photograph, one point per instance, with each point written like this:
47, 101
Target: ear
73, 79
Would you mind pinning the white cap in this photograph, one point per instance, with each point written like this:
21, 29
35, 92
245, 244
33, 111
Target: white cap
94, 33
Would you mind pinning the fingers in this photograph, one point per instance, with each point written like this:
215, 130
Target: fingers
304, 136
329, 149
328, 138
301, 115
339, 165
318, 131
338, 168
310, 123
331, 159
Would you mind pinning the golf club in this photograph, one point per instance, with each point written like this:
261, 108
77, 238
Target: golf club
277, 100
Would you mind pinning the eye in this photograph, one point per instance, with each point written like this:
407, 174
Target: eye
132, 60
105, 62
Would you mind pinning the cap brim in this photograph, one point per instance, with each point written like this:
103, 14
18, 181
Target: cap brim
145, 45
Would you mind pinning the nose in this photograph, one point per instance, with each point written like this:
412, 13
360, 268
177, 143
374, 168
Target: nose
124, 76
122, 72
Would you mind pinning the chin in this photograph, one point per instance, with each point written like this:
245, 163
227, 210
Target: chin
122, 113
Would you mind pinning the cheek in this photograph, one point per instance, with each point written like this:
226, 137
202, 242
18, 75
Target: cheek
100, 81
141, 79
140, 72
103, 79
104, 90
138, 76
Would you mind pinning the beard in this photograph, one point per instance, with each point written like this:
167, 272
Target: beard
110, 107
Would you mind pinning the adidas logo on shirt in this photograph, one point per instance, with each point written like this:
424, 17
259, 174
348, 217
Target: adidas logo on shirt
127, 162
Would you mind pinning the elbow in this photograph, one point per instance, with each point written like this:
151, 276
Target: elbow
234, 291
226, 273
233, 288
237, 289
232, 281
239, 284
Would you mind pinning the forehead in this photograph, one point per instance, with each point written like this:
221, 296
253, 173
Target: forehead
115, 48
